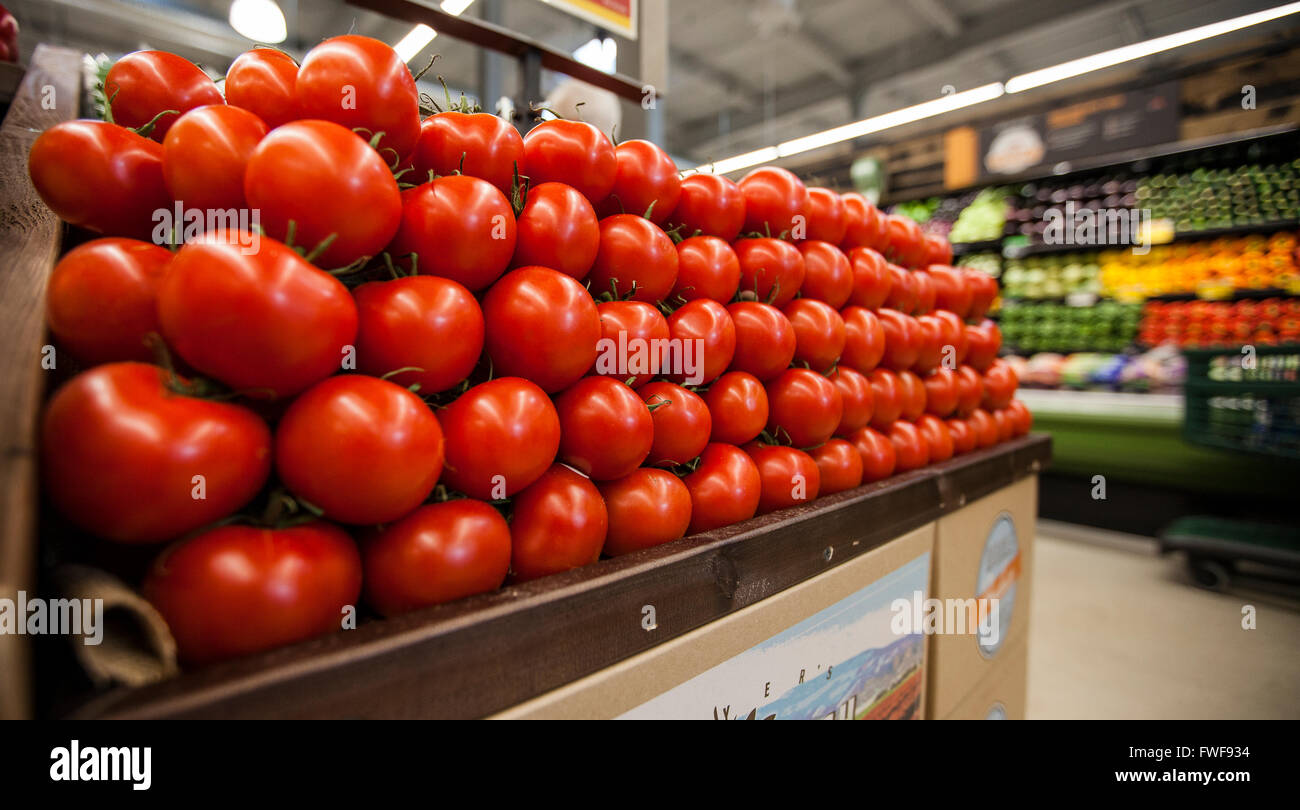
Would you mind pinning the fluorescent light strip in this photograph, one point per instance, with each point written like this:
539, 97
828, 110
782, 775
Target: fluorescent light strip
419, 37
731, 164
1105, 59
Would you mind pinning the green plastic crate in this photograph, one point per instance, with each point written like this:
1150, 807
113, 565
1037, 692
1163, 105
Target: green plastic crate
1254, 410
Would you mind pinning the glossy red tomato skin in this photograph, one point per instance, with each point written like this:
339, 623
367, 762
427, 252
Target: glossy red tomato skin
119, 452
910, 447
682, 422
999, 386
634, 321
887, 396
557, 229
710, 322
952, 289
790, 477
952, 334
420, 322
858, 398
504, 427
970, 390
1005, 424
827, 220
143, 84
238, 590
459, 227
803, 405
438, 553
864, 224
930, 352
296, 322
839, 464
634, 257
362, 449
293, 175
902, 339
770, 268
480, 145
879, 458
872, 281
1023, 419
646, 508
828, 276
913, 395
925, 292
710, 204
574, 153
262, 81
605, 429
903, 290
725, 488
963, 435
906, 243
985, 427
774, 197
205, 154
983, 341
369, 74
937, 437
765, 339
541, 325
941, 392
559, 523
938, 250
646, 177
738, 408
101, 177
125, 272
984, 288
818, 331
707, 267
864, 338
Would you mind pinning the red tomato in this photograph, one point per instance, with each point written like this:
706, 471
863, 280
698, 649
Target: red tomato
559, 523
827, 220
622, 325
120, 452
557, 229
237, 590
818, 333
774, 197
725, 488
828, 276
710, 323
682, 422
858, 397
143, 84
963, 435
500, 437
1021, 417
804, 406
646, 177
605, 429
925, 292
1005, 423
480, 145
421, 322
707, 267
770, 268
877, 453
938, 250
930, 352
864, 338
293, 177
361, 83
266, 320
646, 508
262, 81
902, 339
205, 154
970, 390
790, 477
887, 396
913, 396
864, 224
910, 447
438, 553
983, 341
710, 204
765, 340
984, 288
101, 176
362, 449
541, 325
872, 281
839, 464
952, 333
904, 290
126, 273
999, 386
937, 436
574, 153
952, 290
984, 426
738, 408
941, 392
636, 258
906, 243
458, 227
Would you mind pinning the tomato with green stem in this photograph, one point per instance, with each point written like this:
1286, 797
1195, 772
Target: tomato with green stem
771, 269
541, 325
646, 183
635, 258
158, 87
559, 523
646, 508
641, 329
557, 228
707, 267
574, 153
774, 198
262, 81
818, 331
765, 339
738, 408
804, 407
711, 205
500, 436
725, 488
682, 422
709, 323
606, 430
205, 155
477, 144
457, 227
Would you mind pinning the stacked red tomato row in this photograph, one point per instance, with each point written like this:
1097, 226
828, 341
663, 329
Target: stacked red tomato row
475, 323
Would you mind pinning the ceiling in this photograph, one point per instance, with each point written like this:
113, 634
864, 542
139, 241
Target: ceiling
742, 73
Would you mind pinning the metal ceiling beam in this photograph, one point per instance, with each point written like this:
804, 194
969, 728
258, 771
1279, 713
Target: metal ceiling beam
939, 16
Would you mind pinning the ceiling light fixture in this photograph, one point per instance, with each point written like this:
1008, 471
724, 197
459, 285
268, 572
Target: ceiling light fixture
258, 20
419, 37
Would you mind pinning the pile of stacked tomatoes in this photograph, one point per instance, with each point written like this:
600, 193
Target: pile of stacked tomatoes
391, 389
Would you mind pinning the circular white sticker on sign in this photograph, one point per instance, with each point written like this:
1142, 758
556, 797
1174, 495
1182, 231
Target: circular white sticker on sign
995, 585
996, 712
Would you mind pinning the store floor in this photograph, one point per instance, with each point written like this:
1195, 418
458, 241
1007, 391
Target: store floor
1119, 632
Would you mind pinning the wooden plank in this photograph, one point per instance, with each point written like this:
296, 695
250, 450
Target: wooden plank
480, 655
29, 242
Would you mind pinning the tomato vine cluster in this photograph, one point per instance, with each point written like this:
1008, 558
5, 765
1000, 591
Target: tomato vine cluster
371, 361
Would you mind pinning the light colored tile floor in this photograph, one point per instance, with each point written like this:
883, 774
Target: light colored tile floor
1121, 633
